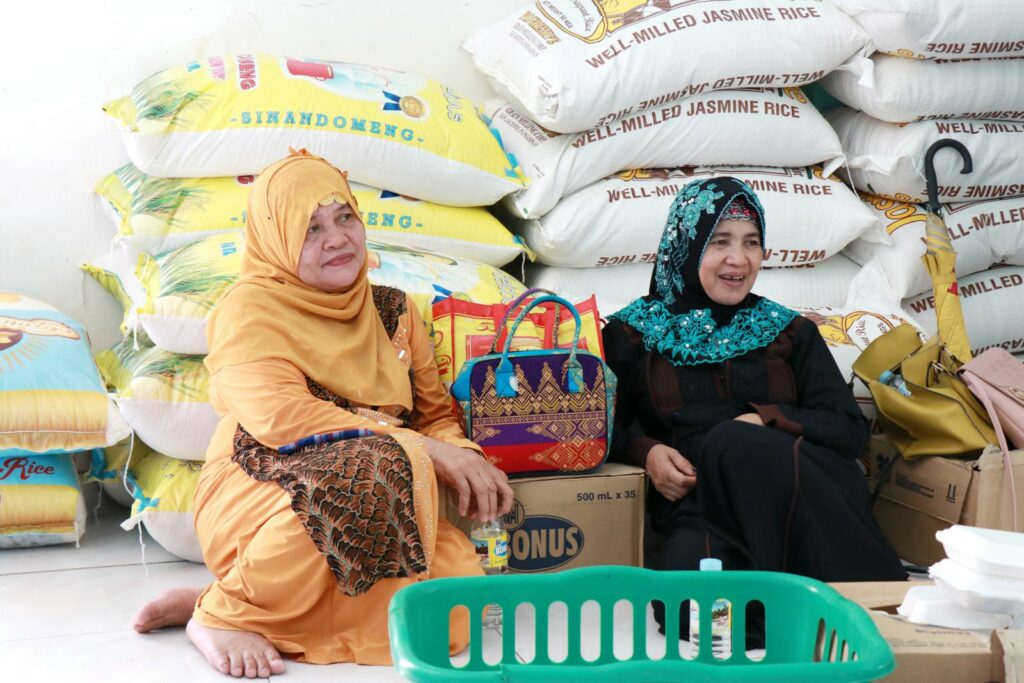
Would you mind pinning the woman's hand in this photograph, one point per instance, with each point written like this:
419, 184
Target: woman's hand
752, 418
483, 489
672, 474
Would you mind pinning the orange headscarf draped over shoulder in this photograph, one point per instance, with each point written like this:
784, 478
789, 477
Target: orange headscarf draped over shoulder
337, 339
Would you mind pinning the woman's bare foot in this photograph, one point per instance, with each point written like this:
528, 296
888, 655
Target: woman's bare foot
173, 608
236, 653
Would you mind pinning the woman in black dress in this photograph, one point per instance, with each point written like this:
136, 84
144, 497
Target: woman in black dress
736, 409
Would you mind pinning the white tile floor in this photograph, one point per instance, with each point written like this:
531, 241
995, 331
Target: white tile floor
66, 613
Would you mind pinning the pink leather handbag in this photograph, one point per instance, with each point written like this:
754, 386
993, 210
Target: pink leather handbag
997, 379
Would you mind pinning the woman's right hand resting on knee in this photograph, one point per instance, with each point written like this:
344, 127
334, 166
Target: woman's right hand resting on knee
483, 489
672, 474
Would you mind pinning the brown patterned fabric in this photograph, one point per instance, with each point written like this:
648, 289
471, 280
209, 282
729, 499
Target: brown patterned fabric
390, 304
354, 497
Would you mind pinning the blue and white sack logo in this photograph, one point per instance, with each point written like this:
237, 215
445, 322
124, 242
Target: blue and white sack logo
540, 542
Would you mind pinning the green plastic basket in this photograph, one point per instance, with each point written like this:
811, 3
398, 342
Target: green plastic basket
811, 632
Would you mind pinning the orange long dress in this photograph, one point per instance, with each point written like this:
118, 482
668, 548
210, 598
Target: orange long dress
270, 577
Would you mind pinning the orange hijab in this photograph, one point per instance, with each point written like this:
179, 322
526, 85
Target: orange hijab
338, 339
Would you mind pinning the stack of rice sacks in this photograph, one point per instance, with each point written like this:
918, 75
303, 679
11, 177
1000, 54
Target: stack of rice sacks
196, 136
951, 69
54, 408
610, 114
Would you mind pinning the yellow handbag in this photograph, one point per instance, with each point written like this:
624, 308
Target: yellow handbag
924, 407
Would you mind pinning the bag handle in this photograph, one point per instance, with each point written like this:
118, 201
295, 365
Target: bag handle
533, 291
886, 352
547, 298
572, 371
978, 388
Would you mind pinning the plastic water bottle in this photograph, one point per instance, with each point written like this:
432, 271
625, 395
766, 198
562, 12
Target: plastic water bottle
895, 381
491, 542
721, 618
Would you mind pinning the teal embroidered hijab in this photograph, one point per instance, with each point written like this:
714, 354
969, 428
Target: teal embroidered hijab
677, 318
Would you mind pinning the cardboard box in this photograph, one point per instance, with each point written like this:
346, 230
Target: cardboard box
571, 520
934, 654
922, 496
939, 655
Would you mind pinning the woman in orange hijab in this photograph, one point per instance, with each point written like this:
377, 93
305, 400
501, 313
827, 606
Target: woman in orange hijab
318, 499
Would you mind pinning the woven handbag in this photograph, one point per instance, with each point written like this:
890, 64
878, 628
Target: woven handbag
540, 410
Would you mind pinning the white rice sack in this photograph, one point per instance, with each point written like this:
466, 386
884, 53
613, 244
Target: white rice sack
778, 128
992, 302
619, 220
983, 233
826, 283
918, 90
164, 396
818, 284
614, 287
235, 115
888, 159
558, 59
955, 29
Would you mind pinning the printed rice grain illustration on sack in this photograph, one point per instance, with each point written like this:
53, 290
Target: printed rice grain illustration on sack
950, 29
991, 300
157, 215
619, 220
887, 159
777, 128
182, 287
555, 59
164, 396
983, 233
52, 398
903, 90
232, 116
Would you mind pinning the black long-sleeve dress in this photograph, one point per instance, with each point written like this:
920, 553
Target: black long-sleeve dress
787, 496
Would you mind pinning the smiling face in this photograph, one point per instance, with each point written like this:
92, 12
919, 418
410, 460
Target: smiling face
731, 262
334, 248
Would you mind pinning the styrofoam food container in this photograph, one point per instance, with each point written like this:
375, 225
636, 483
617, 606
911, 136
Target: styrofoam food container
977, 591
929, 605
989, 551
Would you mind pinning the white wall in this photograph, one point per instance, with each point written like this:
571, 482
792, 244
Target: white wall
61, 61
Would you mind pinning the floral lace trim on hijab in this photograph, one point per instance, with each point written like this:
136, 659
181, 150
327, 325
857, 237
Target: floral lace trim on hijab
694, 338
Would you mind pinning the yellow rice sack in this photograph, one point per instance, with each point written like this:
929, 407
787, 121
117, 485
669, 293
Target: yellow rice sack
161, 214
107, 467
235, 115
181, 287
40, 500
163, 396
163, 491
51, 396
